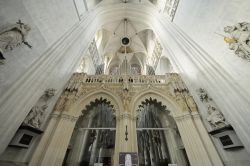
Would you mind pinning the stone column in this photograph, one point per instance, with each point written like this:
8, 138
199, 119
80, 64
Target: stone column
58, 144
192, 141
121, 145
213, 154
44, 142
209, 146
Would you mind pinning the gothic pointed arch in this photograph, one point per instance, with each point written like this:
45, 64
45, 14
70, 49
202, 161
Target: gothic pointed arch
84, 100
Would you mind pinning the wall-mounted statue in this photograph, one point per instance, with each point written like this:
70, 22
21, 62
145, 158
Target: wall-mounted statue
239, 39
36, 116
214, 117
13, 36
49, 93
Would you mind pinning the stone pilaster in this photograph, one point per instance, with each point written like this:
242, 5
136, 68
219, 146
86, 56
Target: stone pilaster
121, 145
192, 141
59, 140
44, 142
213, 154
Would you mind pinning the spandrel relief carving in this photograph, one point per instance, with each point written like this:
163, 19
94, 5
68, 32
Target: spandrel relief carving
239, 40
214, 117
13, 36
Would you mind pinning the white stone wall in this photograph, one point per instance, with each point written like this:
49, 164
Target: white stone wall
201, 19
225, 81
49, 20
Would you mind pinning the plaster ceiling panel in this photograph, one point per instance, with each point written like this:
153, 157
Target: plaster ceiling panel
136, 60
106, 35
113, 44
137, 44
146, 36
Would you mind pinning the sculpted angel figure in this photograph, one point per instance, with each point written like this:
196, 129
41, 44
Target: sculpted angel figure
13, 36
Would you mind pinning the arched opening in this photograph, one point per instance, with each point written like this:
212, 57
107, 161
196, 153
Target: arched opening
159, 140
93, 139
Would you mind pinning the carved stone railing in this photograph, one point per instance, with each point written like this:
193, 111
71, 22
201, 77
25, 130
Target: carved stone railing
81, 78
157, 79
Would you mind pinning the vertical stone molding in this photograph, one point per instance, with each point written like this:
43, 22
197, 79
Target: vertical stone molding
211, 150
192, 141
44, 142
58, 143
121, 145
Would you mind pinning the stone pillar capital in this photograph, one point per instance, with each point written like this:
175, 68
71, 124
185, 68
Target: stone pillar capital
125, 115
182, 117
69, 117
55, 114
195, 114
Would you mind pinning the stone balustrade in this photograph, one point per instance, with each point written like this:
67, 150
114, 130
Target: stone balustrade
155, 79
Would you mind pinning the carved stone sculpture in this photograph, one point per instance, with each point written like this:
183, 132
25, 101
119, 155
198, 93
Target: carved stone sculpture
35, 116
13, 36
215, 118
239, 39
126, 99
49, 93
203, 95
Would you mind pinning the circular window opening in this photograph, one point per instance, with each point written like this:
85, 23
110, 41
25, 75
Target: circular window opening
125, 41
